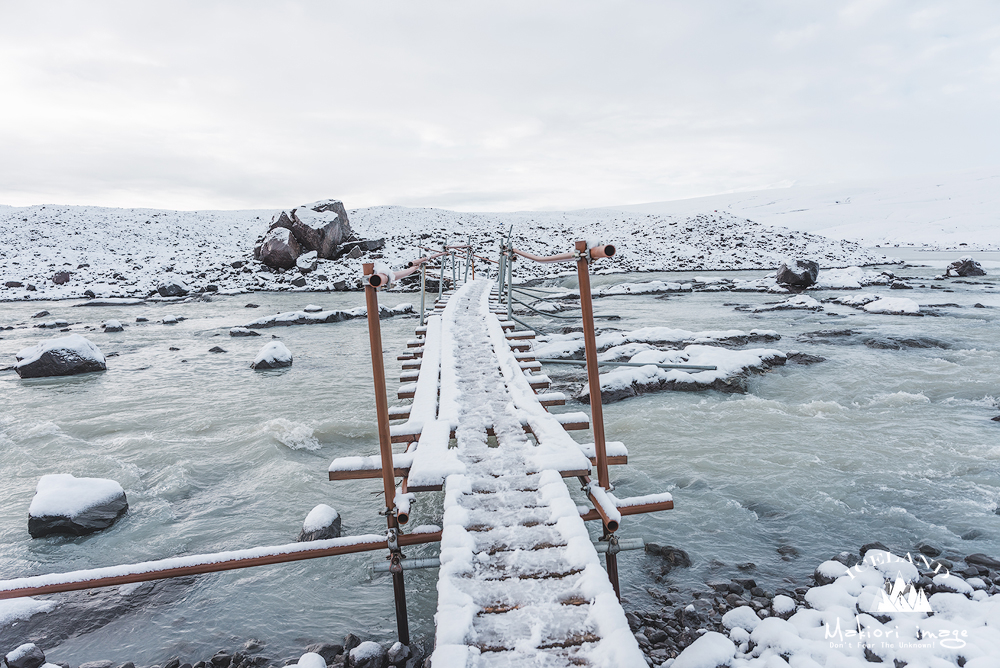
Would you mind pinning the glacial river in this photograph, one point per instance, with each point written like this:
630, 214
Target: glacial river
871, 444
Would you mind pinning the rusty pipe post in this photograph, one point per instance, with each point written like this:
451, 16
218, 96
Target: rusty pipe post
593, 375
611, 562
510, 285
423, 290
441, 283
385, 450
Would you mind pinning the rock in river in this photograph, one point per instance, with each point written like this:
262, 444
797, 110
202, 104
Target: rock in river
62, 356
965, 266
800, 273
64, 504
172, 288
321, 523
274, 355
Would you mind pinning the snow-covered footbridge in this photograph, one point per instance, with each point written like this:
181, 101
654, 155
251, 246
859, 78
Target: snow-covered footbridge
520, 578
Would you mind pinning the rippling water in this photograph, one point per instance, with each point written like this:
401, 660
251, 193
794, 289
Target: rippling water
872, 444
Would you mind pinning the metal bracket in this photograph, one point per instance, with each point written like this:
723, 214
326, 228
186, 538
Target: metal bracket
392, 538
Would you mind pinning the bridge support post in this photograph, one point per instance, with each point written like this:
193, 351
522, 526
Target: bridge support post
423, 291
385, 450
596, 407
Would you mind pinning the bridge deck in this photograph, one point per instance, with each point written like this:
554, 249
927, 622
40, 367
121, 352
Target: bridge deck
520, 581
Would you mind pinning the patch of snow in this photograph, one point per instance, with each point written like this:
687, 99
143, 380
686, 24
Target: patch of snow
319, 517
62, 494
893, 306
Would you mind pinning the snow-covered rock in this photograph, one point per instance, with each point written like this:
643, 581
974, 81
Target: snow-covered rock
965, 266
733, 368
798, 273
798, 302
709, 651
312, 308
27, 655
64, 504
309, 660
62, 356
274, 355
367, 655
306, 262
893, 306
323, 317
279, 249
321, 523
172, 288
242, 331
851, 278
113, 326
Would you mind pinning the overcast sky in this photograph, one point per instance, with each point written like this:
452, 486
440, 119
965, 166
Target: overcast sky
485, 105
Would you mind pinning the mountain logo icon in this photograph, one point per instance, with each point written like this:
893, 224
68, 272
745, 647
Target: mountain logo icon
901, 597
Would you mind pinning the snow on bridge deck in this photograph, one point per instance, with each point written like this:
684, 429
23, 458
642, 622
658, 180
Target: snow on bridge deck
520, 581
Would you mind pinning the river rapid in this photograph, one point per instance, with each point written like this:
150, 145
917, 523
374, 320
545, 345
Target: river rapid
871, 444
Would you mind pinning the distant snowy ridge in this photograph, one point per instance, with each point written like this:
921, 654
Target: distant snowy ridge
128, 252
943, 212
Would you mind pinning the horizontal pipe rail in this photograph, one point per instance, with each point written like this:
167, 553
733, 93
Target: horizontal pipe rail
408, 564
201, 564
623, 545
691, 367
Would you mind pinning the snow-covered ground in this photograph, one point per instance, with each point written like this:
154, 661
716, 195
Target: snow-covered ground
943, 212
128, 252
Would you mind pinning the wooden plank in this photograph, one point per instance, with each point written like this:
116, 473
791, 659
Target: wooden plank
366, 474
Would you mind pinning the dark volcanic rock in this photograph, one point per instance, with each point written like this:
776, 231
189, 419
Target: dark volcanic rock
172, 288
328, 651
63, 356
965, 266
980, 559
899, 342
60, 277
797, 357
672, 557
872, 546
280, 249
66, 505
25, 656
801, 274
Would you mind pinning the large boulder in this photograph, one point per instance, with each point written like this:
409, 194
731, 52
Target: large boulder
965, 266
799, 274
321, 523
172, 287
64, 504
280, 249
321, 226
274, 355
62, 356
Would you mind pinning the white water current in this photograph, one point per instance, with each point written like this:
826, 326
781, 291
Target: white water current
871, 444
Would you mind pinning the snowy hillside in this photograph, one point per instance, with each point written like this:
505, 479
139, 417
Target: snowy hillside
127, 252
942, 212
